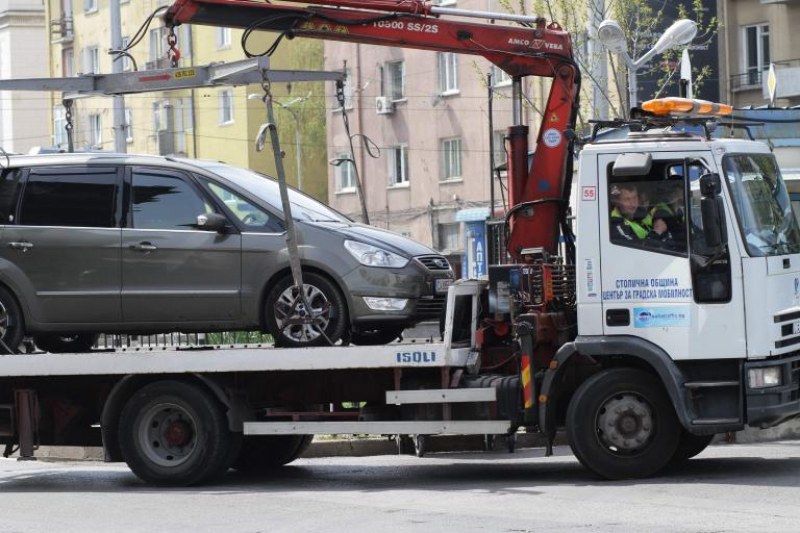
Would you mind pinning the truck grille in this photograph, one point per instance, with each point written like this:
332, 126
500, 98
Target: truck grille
435, 263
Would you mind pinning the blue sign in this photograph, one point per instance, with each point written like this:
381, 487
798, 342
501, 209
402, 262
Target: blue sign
474, 262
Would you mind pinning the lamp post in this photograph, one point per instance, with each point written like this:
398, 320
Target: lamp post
610, 34
297, 135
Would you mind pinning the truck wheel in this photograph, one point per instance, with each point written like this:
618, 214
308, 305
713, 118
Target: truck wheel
12, 325
76, 343
689, 445
174, 433
261, 453
327, 306
621, 424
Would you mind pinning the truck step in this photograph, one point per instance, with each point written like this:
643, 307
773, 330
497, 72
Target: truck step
388, 427
715, 421
710, 384
401, 397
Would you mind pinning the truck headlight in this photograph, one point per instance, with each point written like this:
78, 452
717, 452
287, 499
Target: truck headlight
759, 378
369, 255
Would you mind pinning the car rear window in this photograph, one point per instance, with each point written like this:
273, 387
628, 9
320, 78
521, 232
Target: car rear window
9, 189
70, 197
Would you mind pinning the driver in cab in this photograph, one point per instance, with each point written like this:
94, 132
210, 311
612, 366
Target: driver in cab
630, 222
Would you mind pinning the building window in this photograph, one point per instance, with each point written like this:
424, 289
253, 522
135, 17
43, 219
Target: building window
67, 62
127, 64
158, 42
180, 125
223, 38
448, 73
345, 173
158, 123
450, 237
91, 60
500, 77
756, 53
395, 80
96, 131
499, 156
89, 6
128, 125
398, 165
59, 126
226, 106
451, 159
348, 92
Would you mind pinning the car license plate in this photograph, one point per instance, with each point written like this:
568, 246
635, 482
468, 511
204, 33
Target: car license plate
796, 328
442, 285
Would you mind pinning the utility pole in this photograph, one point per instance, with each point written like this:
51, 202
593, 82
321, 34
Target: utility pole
120, 142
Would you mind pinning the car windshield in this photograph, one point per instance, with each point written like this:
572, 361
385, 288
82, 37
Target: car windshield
303, 207
762, 204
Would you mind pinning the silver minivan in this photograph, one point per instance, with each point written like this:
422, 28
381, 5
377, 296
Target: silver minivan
117, 243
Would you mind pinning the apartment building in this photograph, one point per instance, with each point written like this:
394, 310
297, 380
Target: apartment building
425, 168
23, 52
758, 33
211, 123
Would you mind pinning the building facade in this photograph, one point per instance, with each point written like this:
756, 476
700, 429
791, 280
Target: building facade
23, 53
212, 123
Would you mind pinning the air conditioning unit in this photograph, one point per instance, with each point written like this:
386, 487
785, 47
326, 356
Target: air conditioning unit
383, 105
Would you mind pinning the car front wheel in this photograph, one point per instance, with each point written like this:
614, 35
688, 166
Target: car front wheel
293, 324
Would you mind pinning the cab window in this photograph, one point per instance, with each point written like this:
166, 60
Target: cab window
649, 210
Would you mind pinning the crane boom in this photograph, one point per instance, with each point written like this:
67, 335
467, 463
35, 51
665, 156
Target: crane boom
536, 191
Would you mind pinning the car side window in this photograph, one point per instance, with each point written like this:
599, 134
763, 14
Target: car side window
9, 192
249, 214
68, 196
164, 201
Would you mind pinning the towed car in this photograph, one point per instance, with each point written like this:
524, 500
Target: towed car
117, 243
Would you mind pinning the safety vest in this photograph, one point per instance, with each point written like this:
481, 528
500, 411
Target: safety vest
648, 220
640, 228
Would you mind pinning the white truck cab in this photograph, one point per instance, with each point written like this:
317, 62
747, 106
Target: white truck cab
713, 300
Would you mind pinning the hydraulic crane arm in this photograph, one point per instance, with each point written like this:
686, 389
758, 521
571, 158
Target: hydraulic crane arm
536, 49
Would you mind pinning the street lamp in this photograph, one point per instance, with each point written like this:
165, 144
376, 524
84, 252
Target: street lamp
610, 34
297, 135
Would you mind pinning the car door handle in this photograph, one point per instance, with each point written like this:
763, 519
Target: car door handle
144, 247
20, 245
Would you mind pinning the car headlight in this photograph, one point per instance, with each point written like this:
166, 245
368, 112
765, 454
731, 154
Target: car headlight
369, 255
769, 376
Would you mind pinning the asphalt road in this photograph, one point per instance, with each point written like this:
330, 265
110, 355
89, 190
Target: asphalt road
727, 488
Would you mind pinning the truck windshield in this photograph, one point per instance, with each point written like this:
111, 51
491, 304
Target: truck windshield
762, 204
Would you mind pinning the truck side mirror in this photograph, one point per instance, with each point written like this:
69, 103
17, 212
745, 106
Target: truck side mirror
712, 211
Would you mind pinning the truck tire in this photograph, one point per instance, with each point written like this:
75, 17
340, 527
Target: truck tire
323, 296
174, 433
75, 343
12, 324
261, 453
621, 424
689, 445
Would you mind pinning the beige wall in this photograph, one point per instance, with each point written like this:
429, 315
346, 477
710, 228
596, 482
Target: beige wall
23, 54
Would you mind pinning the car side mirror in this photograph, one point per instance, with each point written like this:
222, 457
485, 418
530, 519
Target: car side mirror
712, 211
212, 222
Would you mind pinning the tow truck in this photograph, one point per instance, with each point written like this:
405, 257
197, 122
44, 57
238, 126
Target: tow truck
641, 349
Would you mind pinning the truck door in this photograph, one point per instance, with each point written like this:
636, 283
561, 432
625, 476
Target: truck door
657, 282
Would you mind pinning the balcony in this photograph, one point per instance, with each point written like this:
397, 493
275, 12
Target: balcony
787, 75
61, 30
